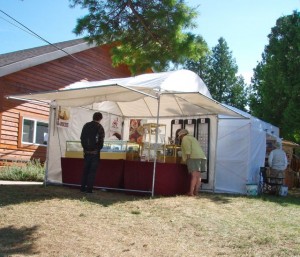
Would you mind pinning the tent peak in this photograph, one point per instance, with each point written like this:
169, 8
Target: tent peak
170, 81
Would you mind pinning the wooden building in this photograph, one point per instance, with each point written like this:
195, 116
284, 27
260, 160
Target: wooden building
24, 125
292, 178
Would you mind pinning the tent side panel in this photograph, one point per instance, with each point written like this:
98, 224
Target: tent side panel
258, 150
232, 158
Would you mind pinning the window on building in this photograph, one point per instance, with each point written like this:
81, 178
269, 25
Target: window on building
34, 132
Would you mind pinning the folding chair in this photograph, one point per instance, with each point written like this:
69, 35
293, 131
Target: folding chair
269, 184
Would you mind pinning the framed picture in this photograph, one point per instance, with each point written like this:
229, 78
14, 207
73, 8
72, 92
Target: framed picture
190, 126
203, 136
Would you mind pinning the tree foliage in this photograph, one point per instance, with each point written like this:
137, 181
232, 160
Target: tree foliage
144, 34
275, 92
219, 72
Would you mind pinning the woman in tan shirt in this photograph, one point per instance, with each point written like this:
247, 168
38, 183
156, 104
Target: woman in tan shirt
195, 159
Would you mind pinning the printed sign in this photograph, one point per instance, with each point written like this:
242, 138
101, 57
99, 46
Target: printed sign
63, 117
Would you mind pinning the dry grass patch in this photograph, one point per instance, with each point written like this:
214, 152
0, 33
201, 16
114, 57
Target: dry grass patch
61, 221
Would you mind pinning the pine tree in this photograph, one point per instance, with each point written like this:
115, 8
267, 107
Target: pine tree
219, 72
144, 34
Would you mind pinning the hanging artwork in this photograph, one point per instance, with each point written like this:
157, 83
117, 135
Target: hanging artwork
63, 117
115, 130
136, 131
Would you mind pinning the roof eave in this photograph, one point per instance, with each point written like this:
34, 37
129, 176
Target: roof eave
30, 62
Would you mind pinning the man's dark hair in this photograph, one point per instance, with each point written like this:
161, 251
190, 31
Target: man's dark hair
97, 116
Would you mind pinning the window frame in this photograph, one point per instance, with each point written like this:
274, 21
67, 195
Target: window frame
36, 120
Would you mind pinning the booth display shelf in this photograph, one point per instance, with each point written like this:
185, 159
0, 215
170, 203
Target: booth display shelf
119, 149
112, 149
173, 154
133, 151
150, 147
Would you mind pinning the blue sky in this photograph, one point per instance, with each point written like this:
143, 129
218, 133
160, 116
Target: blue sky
245, 24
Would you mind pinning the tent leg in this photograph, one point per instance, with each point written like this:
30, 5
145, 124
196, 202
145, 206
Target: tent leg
51, 121
217, 134
155, 148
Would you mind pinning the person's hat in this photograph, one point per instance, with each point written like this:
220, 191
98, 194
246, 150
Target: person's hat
182, 132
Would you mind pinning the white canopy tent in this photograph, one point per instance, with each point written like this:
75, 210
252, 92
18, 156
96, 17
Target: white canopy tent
156, 97
180, 93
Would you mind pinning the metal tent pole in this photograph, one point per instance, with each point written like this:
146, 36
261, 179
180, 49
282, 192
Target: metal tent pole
52, 117
155, 148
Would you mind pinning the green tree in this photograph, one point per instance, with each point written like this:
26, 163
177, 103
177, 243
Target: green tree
275, 92
219, 72
144, 34
199, 66
239, 94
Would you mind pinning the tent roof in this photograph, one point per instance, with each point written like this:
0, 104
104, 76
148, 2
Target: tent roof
180, 93
172, 81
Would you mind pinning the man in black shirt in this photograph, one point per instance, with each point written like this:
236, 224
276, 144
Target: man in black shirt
92, 138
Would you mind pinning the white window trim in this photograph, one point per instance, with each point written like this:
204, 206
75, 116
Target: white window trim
35, 129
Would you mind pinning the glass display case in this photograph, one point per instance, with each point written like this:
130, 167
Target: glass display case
133, 151
173, 154
151, 148
119, 149
114, 146
112, 149
74, 149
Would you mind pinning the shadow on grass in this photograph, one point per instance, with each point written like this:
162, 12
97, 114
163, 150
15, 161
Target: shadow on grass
15, 194
17, 241
218, 198
292, 198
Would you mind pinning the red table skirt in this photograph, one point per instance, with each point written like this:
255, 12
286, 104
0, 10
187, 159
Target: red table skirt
109, 173
170, 178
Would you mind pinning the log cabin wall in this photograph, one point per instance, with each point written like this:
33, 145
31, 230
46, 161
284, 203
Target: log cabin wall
91, 64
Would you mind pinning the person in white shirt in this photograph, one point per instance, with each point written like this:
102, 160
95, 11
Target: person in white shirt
277, 162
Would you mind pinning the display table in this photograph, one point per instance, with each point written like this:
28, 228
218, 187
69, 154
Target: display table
170, 178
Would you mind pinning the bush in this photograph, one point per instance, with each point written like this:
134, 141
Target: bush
31, 171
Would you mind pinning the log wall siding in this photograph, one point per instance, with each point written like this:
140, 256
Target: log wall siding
52, 75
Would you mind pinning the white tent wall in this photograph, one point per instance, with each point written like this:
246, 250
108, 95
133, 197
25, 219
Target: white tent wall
241, 149
232, 155
53, 168
257, 152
